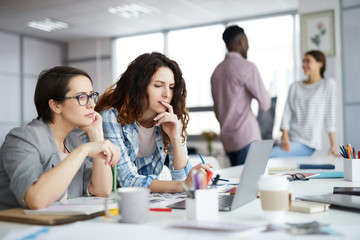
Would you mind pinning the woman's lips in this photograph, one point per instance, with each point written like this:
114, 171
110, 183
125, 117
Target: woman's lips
90, 115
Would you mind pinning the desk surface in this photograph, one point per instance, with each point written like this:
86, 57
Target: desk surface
251, 213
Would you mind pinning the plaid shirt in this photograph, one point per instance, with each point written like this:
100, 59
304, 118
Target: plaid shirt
133, 171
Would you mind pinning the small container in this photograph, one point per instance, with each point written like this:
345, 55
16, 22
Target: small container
204, 206
352, 170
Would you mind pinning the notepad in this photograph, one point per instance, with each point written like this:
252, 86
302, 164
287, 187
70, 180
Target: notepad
308, 207
66, 210
212, 225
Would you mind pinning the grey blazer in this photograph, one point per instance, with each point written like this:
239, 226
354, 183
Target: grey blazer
26, 154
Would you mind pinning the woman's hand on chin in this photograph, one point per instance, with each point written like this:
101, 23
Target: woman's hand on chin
168, 121
94, 130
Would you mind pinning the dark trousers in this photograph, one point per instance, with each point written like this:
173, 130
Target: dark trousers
238, 157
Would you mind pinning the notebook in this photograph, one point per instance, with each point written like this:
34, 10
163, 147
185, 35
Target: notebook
18, 215
247, 189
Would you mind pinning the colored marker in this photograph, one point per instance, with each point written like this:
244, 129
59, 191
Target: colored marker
161, 209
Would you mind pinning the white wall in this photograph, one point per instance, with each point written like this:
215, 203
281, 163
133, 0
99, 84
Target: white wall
94, 57
21, 60
334, 63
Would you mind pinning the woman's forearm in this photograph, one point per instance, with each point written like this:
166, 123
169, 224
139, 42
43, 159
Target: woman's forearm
165, 186
180, 160
54, 182
332, 138
101, 179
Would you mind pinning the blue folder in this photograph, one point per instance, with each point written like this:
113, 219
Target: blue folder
316, 166
327, 175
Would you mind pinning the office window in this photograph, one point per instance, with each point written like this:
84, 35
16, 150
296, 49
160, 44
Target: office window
273, 50
128, 48
198, 51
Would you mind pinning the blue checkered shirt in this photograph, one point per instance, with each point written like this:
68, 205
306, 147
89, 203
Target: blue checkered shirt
133, 171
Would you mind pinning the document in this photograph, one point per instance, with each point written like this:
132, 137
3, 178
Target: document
75, 206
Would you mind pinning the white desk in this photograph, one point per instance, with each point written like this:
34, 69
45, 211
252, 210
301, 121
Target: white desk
251, 213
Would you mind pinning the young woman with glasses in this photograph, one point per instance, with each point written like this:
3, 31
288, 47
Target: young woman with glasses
45, 161
144, 114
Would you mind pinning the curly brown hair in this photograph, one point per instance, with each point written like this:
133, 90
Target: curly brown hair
128, 93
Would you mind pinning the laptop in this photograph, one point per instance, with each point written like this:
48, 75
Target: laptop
337, 200
247, 189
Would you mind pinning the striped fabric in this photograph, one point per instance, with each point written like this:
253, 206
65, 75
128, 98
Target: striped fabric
310, 108
132, 171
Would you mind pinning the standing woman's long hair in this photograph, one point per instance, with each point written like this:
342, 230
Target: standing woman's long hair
127, 95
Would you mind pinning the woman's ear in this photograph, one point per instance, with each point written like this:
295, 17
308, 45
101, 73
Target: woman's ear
54, 106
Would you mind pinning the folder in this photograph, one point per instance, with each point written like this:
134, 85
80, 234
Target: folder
316, 166
327, 175
18, 215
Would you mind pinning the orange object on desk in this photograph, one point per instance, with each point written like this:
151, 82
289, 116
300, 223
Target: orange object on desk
114, 211
232, 190
161, 209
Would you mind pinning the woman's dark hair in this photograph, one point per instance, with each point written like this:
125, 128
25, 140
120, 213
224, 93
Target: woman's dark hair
319, 57
127, 95
53, 84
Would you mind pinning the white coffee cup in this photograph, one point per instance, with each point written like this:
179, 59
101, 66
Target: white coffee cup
274, 196
133, 203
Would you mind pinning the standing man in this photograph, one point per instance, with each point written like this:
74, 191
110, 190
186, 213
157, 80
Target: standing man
234, 83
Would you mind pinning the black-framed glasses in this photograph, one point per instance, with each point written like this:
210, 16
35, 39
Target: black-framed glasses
295, 176
83, 99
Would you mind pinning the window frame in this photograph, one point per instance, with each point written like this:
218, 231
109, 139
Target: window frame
296, 48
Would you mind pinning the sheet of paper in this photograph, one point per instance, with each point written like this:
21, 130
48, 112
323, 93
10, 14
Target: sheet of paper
75, 206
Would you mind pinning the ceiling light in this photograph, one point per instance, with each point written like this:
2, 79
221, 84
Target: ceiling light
133, 10
48, 25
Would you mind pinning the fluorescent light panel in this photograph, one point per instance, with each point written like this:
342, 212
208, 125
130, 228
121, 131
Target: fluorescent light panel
48, 25
133, 10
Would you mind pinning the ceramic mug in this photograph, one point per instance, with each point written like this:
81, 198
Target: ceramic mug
133, 203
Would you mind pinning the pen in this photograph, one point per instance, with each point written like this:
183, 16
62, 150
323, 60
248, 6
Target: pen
202, 158
224, 180
161, 209
209, 173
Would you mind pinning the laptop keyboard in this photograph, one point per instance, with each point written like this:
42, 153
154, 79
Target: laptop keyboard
225, 201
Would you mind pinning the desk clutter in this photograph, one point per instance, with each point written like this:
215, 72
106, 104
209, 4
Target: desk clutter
351, 163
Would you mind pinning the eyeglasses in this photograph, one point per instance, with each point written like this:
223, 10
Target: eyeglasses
296, 176
83, 99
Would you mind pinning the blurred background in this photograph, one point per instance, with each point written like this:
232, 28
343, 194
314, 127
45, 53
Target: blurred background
102, 37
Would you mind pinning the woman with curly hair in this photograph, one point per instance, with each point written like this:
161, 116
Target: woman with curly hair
144, 114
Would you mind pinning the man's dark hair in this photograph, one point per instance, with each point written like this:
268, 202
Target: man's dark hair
231, 32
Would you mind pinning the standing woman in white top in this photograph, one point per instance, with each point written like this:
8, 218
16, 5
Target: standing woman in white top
310, 108
45, 161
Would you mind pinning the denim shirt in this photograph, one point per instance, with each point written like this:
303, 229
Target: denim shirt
133, 171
